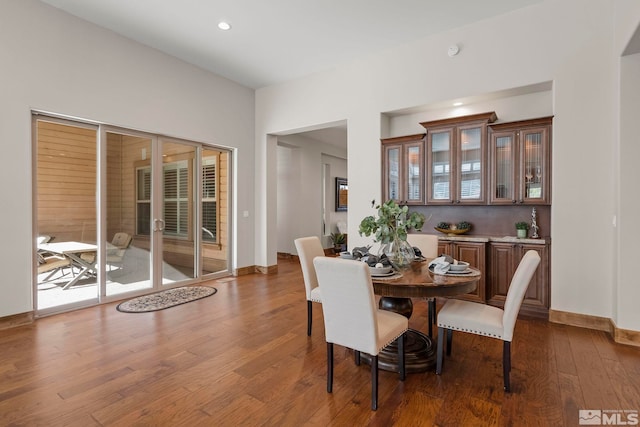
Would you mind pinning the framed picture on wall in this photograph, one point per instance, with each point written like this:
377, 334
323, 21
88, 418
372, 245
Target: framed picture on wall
342, 191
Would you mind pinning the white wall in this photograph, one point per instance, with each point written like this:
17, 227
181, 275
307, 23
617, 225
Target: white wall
567, 42
54, 62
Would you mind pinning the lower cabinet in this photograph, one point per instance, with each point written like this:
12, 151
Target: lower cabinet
474, 254
503, 261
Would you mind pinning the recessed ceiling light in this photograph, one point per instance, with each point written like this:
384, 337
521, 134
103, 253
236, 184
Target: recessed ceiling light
224, 25
457, 104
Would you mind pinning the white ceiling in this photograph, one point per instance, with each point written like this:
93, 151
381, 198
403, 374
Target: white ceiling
278, 40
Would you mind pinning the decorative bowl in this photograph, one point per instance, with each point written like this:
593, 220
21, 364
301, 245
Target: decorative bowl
450, 232
460, 266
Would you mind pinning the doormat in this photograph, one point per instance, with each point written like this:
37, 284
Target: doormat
165, 299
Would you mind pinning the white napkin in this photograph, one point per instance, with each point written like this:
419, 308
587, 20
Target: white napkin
440, 265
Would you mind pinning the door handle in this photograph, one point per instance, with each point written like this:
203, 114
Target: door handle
158, 224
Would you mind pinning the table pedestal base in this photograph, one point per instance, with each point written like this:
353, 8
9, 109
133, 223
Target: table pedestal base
419, 354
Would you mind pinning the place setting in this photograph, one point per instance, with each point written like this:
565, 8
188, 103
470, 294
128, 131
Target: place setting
447, 265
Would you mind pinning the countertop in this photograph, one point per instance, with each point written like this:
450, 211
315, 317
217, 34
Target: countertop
501, 239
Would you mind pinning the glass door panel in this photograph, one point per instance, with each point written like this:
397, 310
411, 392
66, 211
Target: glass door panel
66, 216
215, 211
440, 166
503, 158
470, 168
179, 226
533, 164
414, 173
127, 239
393, 175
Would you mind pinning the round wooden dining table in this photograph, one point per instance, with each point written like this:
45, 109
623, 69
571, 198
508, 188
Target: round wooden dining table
396, 292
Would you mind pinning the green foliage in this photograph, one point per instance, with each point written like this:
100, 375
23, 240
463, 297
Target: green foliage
393, 220
338, 238
522, 225
443, 225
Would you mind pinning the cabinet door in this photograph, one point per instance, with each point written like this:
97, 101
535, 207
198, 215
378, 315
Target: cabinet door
501, 269
413, 192
474, 254
536, 299
503, 181
504, 259
439, 164
470, 164
535, 172
392, 172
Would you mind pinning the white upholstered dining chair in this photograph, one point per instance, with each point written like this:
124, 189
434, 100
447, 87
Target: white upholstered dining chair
428, 245
352, 319
308, 248
481, 319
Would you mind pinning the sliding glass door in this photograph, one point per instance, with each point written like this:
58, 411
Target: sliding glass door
124, 212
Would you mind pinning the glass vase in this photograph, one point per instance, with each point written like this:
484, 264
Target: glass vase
399, 252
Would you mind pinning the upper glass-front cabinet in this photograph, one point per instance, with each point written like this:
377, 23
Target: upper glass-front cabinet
457, 160
520, 162
402, 166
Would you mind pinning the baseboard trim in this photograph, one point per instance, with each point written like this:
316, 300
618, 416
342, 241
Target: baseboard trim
16, 320
271, 269
619, 335
626, 336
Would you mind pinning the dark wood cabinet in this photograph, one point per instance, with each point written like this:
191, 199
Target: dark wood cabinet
457, 159
503, 261
520, 162
403, 169
474, 254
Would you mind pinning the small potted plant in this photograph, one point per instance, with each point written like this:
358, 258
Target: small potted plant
521, 229
339, 241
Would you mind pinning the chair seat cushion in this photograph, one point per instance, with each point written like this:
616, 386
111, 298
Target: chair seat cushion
479, 319
390, 327
315, 295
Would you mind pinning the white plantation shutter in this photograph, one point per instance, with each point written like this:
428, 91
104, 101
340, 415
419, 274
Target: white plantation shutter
176, 199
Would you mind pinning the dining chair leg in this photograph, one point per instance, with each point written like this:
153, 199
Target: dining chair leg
506, 365
357, 357
431, 314
329, 367
439, 351
449, 339
309, 317
374, 383
401, 358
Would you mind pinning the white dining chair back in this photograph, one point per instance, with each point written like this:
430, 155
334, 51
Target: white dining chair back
428, 245
309, 248
517, 289
352, 319
481, 319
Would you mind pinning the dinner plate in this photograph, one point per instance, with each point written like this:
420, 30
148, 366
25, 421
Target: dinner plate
467, 271
380, 270
390, 273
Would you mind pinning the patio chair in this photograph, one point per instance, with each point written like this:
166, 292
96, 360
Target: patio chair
51, 265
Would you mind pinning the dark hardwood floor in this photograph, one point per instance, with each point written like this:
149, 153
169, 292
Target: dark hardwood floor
242, 357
